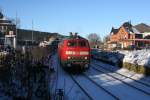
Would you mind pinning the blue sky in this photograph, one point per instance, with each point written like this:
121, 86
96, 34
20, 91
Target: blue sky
83, 16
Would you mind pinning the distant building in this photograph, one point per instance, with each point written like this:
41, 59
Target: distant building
144, 29
129, 35
8, 31
27, 37
2, 39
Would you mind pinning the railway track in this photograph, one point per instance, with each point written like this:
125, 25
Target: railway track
115, 97
139, 89
93, 90
96, 84
84, 90
110, 70
86, 93
74, 80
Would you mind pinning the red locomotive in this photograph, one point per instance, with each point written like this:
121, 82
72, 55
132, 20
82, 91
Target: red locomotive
74, 52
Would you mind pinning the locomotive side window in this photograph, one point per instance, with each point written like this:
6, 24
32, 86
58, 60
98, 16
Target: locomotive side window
82, 44
71, 43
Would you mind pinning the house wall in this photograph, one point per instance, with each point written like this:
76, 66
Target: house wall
9, 32
146, 34
122, 37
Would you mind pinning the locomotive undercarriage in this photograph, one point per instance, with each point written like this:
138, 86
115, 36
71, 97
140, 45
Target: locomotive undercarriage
75, 65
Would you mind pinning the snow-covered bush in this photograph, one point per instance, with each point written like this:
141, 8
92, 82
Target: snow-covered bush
139, 57
137, 60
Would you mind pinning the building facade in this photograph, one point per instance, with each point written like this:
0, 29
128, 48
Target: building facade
128, 36
8, 31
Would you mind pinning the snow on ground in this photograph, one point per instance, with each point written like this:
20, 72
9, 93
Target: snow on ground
116, 87
123, 71
72, 91
140, 57
92, 89
61, 80
127, 80
64, 81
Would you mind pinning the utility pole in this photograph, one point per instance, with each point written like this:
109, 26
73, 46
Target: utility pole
32, 31
15, 38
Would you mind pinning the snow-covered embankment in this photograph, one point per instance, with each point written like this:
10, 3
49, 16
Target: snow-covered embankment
137, 60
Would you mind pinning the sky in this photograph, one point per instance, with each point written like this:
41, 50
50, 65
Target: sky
82, 16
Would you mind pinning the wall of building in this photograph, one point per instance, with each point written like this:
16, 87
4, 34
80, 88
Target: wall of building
121, 38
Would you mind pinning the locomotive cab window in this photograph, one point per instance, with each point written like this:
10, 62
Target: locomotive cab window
82, 44
71, 43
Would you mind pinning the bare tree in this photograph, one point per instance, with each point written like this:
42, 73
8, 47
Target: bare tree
1, 13
94, 39
16, 21
106, 38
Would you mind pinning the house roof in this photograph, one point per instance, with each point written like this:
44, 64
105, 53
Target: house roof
142, 28
114, 31
127, 24
128, 27
137, 29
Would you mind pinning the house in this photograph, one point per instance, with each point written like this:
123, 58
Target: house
144, 29
128, 35
8, 29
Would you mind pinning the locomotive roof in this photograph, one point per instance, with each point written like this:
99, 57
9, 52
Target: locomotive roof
72, 37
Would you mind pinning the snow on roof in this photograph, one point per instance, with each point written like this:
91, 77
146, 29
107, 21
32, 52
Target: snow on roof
135, 30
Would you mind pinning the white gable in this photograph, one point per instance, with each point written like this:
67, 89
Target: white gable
135, 30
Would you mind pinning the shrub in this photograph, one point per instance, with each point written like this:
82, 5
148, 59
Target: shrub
137, 68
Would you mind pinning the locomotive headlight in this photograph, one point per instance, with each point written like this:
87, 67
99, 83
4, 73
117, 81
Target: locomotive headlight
70, 52
69, 57
84, 53
85, 58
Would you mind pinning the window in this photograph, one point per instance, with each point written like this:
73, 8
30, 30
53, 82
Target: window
71, 43
82, 44
2, 28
